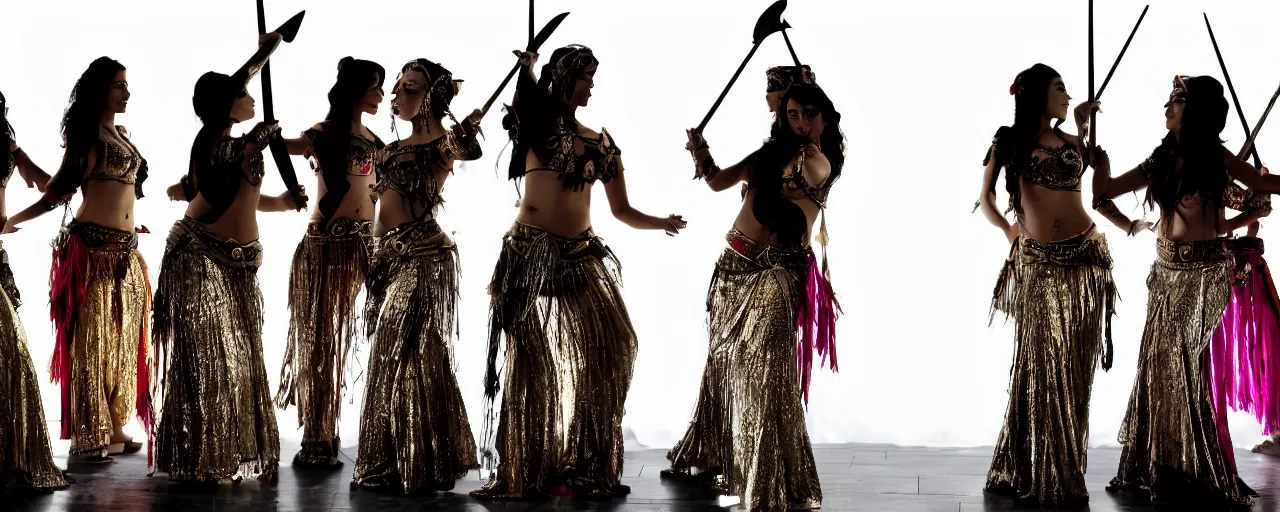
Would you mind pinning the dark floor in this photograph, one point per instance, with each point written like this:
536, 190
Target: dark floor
854, 477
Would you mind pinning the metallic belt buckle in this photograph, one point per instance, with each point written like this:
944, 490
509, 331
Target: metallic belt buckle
237, 254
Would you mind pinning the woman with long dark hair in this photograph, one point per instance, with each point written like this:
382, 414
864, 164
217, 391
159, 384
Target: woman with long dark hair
770, 301
100, 295
26, 461
557, 310
414, 432
217, 421
1173, 447
1056, 285
332, 260
708, 443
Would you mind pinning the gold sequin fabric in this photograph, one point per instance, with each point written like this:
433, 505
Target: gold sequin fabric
414, 432
1061, 297
26, 460
1171, 443
558, 317
104, 277
329, 268
217, 421
754, 298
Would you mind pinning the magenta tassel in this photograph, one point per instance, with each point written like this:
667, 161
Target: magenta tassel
1244, 349
817, 324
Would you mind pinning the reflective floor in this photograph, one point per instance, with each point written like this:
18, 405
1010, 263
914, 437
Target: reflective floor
854, 477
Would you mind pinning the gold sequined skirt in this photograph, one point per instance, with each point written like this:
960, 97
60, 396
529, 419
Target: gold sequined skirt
414, 432
217, 421
26, 460
558, 317
1171, 442
1062, 297
100, 300
329, 267
754, 299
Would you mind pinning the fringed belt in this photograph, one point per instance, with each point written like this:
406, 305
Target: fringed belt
1192, 251
768, 255
414, 238
585, 245
1085, 249
221, 249
99, 237
340, 228
1245, 243
816, 310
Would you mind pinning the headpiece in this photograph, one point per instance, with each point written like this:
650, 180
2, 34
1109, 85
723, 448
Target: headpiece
781, 78
442, 87
570, 67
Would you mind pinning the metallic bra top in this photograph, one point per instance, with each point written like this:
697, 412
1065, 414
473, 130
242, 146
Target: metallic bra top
120, 162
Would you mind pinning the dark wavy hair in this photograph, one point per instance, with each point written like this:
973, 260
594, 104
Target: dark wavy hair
1015, 144
771, 207
564, 89
214, 95
334, 142
80, 122
1203, 172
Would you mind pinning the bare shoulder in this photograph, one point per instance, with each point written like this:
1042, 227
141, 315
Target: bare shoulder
585, 131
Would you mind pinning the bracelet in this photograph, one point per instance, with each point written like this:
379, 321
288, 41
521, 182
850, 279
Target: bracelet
1100, 203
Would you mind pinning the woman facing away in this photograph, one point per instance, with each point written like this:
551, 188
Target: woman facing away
557, 310
414, 432
1056, 285
708, 442
1173, 448
26, 460
767, 288
217, 419
331, 262
99, 297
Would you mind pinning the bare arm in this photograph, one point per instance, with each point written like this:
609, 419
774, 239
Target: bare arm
1250, 177
705, 166
31, 173
620, 205
987, 201
281, 203
297, 146
51, 199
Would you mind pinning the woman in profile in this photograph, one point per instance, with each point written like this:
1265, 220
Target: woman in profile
99, 297
557, 310
1173, 447
414, 432
331, 262
1056, 285
217, 421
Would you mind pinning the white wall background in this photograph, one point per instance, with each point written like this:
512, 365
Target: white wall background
922, 86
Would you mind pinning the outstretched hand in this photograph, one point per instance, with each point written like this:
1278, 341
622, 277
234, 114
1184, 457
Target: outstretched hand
9, 226
674, 224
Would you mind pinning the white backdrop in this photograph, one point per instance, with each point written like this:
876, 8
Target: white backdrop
922, 86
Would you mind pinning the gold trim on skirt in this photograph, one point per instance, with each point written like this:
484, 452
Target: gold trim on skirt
26, 459
558, 315
329, 267
414, 432
1171, 441
752, 302
1062, 297
106, 331
217, 421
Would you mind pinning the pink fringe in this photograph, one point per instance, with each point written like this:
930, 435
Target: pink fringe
1244, 349
68, 286
817, 323
146, 413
